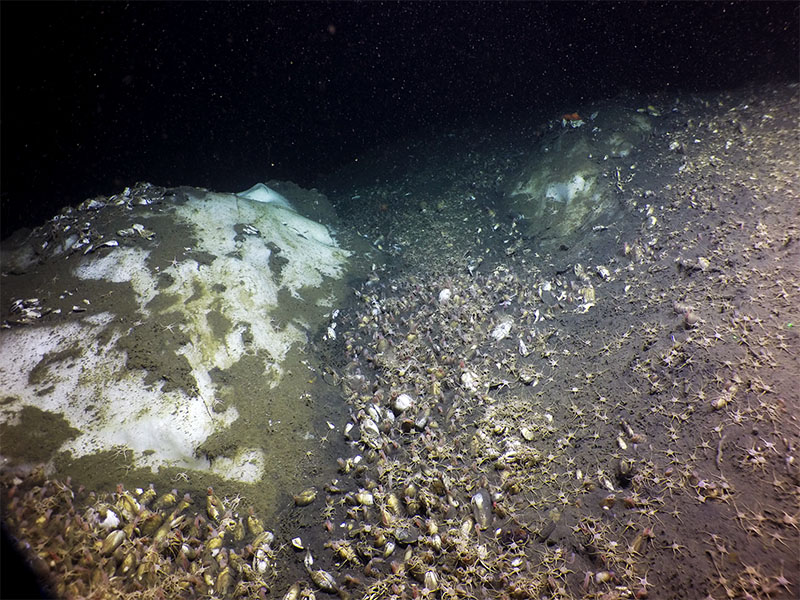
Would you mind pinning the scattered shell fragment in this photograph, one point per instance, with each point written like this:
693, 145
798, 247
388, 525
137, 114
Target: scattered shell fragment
502, 329
606, 482
469, 380
365, 498
482, 508
106, 244
369, 430
402, 403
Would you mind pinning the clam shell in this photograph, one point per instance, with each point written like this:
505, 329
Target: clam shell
112, 542
402, 403
482, 508
324, 581
306, 497
365, 498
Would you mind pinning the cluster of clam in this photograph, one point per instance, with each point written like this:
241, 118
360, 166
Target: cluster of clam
416, 351
409, 541
78, 229
425, 519
138, 544
25, 311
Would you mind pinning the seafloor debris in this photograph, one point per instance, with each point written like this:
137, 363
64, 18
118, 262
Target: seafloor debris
136, 544
25, 311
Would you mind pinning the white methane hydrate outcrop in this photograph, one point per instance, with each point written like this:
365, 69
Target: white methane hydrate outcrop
575, 172
157, 295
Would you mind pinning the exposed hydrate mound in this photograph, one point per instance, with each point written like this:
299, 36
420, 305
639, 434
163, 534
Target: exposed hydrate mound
160, 293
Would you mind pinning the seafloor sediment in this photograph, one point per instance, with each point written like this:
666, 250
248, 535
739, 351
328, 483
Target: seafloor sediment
611, 416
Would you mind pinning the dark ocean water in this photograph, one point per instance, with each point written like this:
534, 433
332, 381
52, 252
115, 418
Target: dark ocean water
96, 96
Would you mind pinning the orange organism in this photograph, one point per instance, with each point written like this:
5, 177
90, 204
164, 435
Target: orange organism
571, 117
